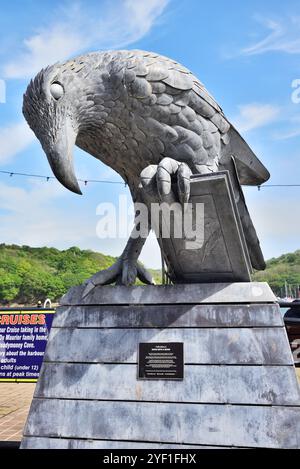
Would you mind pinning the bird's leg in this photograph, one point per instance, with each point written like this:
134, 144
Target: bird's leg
131, 269
155, 185
126, 269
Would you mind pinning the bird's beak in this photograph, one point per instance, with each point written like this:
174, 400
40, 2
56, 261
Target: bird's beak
60, 157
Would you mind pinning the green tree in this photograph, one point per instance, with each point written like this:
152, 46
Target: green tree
9, 286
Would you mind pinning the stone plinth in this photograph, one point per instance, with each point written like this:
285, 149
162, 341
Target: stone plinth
239, 388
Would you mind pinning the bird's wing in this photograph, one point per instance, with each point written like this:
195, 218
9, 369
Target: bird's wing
250, 169
177, 91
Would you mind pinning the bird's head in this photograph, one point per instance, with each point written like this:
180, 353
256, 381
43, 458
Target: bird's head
50, 107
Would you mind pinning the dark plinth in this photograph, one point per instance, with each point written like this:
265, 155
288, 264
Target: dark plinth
239, 388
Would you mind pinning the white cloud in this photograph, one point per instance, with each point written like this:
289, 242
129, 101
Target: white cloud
121, 23
283, 36
44, 48
290, 128
286, 135
255, 115
13, 139
32, 216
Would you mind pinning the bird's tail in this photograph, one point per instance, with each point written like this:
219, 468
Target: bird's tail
250, 169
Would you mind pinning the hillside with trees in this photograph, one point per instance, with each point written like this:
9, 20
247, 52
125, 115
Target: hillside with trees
30, 274
283, 274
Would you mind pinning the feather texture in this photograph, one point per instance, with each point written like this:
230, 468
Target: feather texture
131, 109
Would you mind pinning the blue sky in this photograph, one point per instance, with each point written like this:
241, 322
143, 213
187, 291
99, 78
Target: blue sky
246, 53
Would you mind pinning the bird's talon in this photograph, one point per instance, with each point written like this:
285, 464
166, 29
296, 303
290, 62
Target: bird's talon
123, 272
163, 173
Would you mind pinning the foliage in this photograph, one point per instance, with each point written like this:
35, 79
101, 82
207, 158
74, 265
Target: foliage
9, 286
30, 274
281, 270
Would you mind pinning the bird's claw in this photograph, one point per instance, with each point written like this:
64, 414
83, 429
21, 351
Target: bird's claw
123, 272
159, 179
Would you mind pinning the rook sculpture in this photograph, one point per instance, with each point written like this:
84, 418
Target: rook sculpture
147, 117
187, 365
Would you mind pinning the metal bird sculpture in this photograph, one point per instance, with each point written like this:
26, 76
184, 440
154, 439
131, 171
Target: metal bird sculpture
135, 110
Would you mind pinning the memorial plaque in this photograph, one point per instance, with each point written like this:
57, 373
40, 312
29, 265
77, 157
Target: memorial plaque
160, 360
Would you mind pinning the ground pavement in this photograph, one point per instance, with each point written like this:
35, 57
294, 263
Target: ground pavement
15, 399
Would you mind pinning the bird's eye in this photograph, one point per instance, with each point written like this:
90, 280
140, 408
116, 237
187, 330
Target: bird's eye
56, 90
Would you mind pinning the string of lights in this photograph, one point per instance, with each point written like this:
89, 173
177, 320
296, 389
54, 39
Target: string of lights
105, 181
47, 178
278, 185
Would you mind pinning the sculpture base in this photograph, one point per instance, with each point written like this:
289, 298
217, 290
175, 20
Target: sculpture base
239, 387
